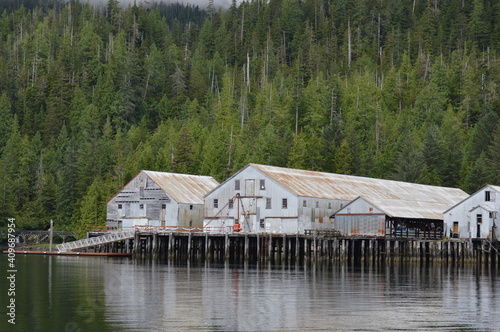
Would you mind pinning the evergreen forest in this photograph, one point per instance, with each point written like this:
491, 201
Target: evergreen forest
91, 94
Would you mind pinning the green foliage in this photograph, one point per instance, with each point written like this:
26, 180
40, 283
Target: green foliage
89, 95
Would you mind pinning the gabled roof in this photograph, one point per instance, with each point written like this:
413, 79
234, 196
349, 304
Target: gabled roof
183, 188
495, 188
347, 187
398, 208
484, 207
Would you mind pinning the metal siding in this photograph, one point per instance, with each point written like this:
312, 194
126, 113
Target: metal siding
360, 225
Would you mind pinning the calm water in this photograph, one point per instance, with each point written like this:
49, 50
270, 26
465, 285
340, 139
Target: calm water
103, 294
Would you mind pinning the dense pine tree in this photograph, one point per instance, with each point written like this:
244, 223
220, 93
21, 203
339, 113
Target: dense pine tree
90, 95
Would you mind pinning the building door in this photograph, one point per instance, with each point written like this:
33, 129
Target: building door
163, 213
479, 220
249, 187
455, 229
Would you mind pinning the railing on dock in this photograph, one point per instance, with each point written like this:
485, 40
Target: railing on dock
435, 234
326, 233
95, 241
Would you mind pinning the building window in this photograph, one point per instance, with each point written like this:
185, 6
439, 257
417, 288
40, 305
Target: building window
492, 214
236, 184
164, 206
304, 203
487, 196
141, 206
191, 206
284, 204
216, 203
317, 205
119, 206
479, 218
268, 202
262, 184
262, 224
230, 203
329, 205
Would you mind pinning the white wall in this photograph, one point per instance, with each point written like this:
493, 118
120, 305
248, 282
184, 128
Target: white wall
466, 212
262, 218
252, 205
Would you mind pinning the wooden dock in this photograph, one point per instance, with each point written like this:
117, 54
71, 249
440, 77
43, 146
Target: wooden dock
278, 249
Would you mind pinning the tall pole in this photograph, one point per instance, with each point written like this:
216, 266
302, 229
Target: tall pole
51, 232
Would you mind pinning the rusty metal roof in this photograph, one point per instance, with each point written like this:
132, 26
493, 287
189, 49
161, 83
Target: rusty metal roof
183, 188
398, 208
402, 198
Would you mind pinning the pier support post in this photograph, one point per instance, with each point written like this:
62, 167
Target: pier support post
297, 248
171, 246
137, 243
226, 247
207, 254
362, 258
154, 245
258, 247
315, 248
246, 248
189, 245
270, 251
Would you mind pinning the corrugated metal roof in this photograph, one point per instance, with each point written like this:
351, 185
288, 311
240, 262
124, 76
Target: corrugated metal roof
183, 188
496, 188
398, 208
398, 199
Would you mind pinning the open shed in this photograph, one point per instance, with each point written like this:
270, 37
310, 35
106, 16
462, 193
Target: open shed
392, 217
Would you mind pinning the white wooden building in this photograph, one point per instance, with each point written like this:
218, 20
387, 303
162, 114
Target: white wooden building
160, 199
476, 216
269, 199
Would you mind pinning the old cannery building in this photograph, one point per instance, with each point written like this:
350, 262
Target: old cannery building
160, 199
400, 210
269, 199
475, 217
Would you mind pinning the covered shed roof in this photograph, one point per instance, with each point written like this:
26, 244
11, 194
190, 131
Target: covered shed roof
183, 188
397, 208
396, 198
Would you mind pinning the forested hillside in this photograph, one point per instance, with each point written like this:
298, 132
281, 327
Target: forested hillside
397, 89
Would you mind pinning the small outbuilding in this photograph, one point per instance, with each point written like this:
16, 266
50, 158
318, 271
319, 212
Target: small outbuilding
476, 216
160, 199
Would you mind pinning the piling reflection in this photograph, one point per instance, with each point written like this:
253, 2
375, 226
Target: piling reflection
294, 298
87, 294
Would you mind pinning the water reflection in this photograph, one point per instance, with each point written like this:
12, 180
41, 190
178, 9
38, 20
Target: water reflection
87, 294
